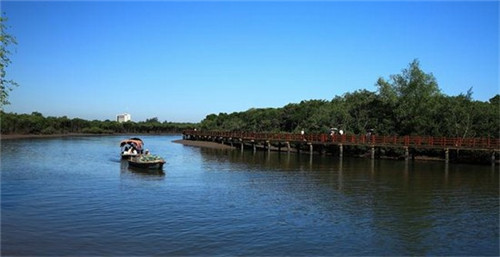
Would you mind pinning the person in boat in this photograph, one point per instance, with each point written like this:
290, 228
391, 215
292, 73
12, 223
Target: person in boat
132, 150
333, 131
146, 152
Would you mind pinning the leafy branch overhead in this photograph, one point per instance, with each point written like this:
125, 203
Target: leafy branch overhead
7, 40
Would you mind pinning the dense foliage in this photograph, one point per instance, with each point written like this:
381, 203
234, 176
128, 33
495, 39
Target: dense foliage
36, 123
409, 103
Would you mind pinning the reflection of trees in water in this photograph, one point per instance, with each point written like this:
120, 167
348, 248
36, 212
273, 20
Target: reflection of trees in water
407, 205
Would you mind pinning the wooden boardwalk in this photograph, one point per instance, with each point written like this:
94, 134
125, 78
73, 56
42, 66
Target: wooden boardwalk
267, 140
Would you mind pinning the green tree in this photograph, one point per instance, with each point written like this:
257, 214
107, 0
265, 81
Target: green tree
341, 119
415, 92
463, 115
152, 120
360, 105
7, 40
486, 122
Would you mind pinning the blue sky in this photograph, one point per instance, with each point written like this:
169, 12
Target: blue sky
180, 61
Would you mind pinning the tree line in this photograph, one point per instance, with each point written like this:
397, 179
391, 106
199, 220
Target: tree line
36, 123
409, 103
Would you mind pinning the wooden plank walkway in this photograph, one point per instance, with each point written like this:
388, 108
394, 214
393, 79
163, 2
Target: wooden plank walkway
416, 142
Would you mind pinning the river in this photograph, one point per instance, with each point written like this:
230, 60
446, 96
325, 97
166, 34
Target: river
74, 196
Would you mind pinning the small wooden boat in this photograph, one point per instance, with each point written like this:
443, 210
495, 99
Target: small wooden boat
152, 162
131, 147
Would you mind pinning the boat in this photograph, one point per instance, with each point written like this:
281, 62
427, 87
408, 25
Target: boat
131, 147
147, 161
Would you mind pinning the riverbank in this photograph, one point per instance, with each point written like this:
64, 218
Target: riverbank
204, 144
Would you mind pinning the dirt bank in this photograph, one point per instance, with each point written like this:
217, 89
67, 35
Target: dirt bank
204, 144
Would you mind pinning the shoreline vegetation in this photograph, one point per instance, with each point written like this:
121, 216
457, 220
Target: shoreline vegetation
34, 136
37, 125
29, 136
408, 104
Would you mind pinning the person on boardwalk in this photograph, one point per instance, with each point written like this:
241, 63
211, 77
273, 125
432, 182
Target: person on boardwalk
369, 135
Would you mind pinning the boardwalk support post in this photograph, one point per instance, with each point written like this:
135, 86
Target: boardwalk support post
310, 148
446, 154
268, 146
493, 158
373, 152
341, 150
407, 153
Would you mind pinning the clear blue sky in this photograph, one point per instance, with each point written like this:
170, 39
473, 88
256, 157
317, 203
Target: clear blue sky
180, 61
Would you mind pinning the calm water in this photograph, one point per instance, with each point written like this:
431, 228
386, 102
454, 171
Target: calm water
73, 196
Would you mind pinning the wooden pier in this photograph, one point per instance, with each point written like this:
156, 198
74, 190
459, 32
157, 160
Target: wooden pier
319, 142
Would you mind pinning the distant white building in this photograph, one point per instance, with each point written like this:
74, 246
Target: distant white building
123, 117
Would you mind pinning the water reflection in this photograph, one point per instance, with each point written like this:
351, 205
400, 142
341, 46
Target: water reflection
446, 172
341, 176
422, 174
414, 204
127, 170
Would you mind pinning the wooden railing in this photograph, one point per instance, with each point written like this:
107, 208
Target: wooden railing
373, 140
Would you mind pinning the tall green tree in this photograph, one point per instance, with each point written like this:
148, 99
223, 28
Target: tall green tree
415, 92
7, 40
